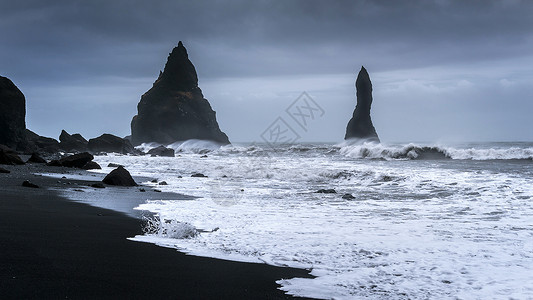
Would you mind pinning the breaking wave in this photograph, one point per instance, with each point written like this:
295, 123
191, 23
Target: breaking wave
413, 151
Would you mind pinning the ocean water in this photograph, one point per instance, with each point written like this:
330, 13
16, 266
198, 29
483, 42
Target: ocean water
424, 221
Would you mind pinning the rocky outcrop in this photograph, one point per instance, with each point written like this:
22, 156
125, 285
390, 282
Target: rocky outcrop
36, 158
360, 125
9, 157
174, 109
12, 114
120, 177
72, 143
77, 160
37, 143
162, 151
110, 143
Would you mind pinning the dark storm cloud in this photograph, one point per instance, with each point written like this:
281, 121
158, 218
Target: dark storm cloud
126, 38
87, 53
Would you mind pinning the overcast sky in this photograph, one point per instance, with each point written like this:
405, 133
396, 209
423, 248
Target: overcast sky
441, 70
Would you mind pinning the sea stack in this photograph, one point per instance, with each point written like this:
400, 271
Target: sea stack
360, 125
174, 109
12, 114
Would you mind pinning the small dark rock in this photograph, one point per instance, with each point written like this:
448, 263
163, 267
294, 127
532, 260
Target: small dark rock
120, 177
54, 163
77, 160
162, 151
326, 191
114, 165
2, 170
198, 175
26, 183
203, 156
142, 190
163, 183
35, 158
157, 191
154, 181
91, 166
98, 185
348, 197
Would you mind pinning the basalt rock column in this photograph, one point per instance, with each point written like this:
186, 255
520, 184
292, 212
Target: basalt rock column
174, 109
360, 125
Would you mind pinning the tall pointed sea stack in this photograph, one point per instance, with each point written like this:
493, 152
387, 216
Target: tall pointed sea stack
360, 125
174, 109
12, 114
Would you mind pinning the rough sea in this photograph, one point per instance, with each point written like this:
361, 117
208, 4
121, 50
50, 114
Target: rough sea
406, 221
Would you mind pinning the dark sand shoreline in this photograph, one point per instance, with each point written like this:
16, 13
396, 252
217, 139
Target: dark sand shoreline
54, 248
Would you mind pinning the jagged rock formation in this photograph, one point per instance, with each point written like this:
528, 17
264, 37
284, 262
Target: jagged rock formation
174, 109
162, 151
360, 125
72, 143
110, 143
12, 114
37, 143
9, 156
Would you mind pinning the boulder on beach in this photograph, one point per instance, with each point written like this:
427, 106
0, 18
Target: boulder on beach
12, 114
91, 165
174, 109
36, 158
326, 191
120, 177
76, 160
72, 143
9, 157
360, 125
162, 151
110, 143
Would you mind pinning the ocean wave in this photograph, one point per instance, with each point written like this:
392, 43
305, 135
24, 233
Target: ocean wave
426, 152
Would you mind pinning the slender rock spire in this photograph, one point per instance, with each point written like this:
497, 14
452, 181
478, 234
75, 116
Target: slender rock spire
360, 125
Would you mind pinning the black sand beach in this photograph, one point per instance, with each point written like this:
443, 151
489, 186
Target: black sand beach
54, 248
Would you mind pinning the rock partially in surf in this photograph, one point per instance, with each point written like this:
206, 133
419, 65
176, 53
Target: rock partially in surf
76, 160
163, 183
9, 157
326, 191
110, 143
162, 151
98, 185
120, 177
72, 143
12, 114
114, 165
26, 183
36, 158
91, 165
174, 109
348, 197
4, 171
360, 125
198, 175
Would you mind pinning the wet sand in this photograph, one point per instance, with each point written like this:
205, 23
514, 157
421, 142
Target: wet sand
56, 248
